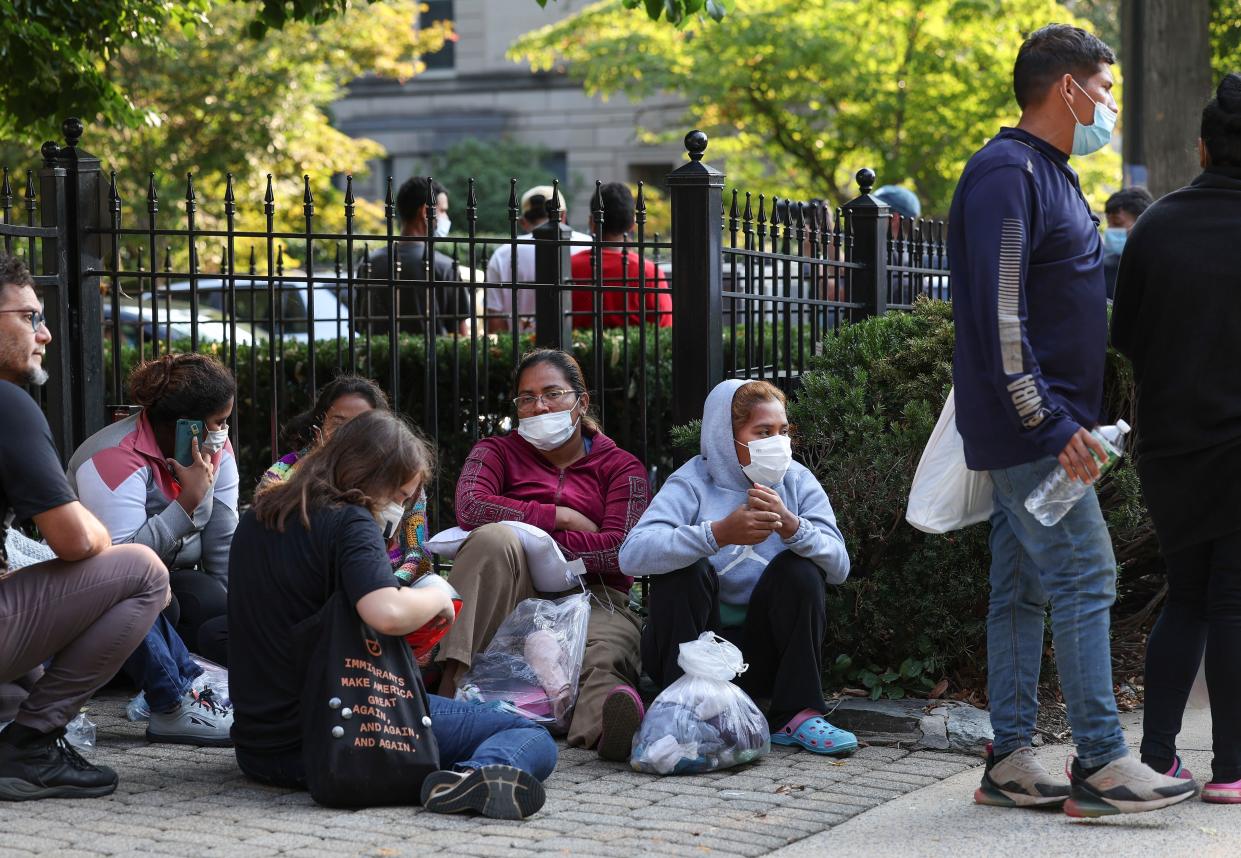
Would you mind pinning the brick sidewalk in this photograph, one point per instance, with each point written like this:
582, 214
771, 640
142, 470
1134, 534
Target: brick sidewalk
183, 801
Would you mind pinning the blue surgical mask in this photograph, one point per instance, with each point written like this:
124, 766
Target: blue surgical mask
1091, 138
442, 226
1114, 240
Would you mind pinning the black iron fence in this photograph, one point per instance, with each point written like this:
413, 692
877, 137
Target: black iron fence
743, 287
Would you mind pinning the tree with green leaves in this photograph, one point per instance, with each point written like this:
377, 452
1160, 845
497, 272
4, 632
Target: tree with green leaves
215, 101
796, 97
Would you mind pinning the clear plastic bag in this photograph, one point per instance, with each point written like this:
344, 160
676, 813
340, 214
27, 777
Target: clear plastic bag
534, 661
703, 721
80, 732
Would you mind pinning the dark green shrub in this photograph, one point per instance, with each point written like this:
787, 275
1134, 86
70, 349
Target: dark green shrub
914, 608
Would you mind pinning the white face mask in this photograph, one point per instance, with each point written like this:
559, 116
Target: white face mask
390, 517
442, 226
769, 459
548, 431
216, 439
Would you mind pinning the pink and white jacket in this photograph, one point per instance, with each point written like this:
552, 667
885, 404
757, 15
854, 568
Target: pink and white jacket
120, 475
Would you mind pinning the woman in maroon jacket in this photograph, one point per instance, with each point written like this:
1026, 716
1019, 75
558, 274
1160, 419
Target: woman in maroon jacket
559, 473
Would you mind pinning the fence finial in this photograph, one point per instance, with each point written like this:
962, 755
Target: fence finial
229, 197
865, 179
190, 196
72, 129
152, 195
6, 190
114, 198
695, 144
269, 196
349, 198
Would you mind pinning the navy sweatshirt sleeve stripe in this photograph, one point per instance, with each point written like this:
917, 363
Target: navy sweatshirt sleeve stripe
1029, 304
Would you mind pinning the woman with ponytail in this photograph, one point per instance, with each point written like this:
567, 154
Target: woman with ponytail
1177, 316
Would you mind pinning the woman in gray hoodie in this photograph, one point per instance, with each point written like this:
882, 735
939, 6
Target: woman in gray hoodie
742, 540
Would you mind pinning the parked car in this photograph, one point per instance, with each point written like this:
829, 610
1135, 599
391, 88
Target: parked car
175, 318
291, 319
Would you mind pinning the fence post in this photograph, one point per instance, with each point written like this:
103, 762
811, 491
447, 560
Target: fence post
553, 326
73, 201
697, 196
868, 221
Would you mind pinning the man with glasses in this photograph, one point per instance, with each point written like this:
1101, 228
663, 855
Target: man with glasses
85, 611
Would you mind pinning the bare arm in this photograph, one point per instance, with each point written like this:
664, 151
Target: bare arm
392, 611
72, 531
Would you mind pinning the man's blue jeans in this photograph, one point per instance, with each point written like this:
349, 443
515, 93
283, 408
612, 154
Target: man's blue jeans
162, 667
469, 735
1071, 565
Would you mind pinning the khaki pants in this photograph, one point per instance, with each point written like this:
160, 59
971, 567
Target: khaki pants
491, 575
87, 617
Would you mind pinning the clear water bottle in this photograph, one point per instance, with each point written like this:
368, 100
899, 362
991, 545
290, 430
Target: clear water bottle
1057, 494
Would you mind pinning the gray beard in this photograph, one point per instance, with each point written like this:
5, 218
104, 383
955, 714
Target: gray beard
37, 377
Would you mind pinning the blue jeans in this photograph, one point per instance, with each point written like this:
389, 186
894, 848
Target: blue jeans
162, 667
469, 735
1072, 565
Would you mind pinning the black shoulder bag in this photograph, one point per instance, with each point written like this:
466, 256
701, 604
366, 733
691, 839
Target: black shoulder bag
366, 724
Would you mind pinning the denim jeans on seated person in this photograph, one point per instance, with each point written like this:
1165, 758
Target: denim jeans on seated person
1071, 565
469, 735
162, 667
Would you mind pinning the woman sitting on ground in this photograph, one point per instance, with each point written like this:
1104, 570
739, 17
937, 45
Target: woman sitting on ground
126, 475
741, 541
560, 473
324, 522
341, 400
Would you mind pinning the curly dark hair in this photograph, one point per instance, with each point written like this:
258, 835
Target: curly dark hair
181, 385
13, 272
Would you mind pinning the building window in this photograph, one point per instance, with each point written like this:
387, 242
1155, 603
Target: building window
445, 58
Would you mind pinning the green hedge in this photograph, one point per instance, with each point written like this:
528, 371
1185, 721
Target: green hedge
914, 609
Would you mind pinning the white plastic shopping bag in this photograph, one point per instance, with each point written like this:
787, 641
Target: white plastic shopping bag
946, 495
549, 570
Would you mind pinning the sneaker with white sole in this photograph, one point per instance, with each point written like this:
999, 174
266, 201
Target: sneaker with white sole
1124, 785
1019, 780
200, 719
495, 791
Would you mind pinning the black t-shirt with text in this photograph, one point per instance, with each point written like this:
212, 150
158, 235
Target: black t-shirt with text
32, 479
277, 581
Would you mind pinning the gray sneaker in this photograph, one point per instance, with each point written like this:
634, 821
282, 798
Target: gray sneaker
1019, 780
1124, 786
200, 720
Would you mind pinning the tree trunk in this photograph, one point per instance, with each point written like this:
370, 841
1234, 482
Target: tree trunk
1167, 64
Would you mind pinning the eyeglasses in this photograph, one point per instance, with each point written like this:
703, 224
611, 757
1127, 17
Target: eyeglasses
550, 398
37, 317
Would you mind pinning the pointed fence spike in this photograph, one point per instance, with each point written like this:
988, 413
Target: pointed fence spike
732, 209
471, 195
229, 196
253, 264
190, 195
762, 212
6, 190
512, 199
152, 195
388, 198
307, 197
113, 197
280, 260
748, 214
349, 198
269, 196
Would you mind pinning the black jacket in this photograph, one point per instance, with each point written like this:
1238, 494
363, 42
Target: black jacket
450, 301
1177, 316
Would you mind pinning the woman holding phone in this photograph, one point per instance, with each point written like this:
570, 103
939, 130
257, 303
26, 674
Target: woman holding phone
128, 475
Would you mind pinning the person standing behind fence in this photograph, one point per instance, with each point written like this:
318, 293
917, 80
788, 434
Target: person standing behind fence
1122, 210
1031, 339
500, 267
81, 614
619, 271
417, 300
742, 540
560, 473
1177, 316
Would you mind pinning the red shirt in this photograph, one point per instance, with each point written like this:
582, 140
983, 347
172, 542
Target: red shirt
620, 269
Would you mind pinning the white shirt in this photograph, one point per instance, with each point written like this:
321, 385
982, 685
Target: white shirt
499, 302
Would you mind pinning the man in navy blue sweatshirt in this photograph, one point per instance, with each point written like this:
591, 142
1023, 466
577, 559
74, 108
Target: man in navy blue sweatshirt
1030, 306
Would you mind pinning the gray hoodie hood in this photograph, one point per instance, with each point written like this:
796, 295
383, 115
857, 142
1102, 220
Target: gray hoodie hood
716, 445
